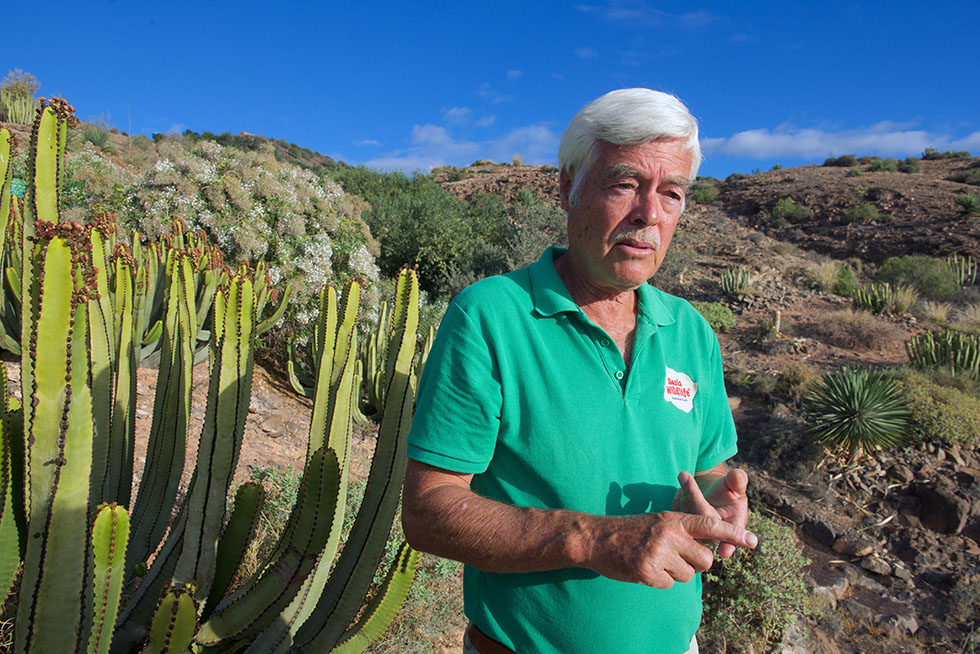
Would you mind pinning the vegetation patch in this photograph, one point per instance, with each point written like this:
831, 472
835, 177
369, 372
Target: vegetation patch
858, 411
855, 330
861, 213
939, 413
930, 276
786, 211
751, 598
703, 191
717, 314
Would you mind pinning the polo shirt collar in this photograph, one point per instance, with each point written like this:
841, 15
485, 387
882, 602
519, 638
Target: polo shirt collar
551, 296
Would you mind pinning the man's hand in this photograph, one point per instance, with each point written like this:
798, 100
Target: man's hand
659, 549
723, 498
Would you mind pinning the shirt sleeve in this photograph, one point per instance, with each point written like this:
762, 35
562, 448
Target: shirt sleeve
718, 439
457, 413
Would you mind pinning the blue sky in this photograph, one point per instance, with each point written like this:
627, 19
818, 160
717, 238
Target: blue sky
416, 85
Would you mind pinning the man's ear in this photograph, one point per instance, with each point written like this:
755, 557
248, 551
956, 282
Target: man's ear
564, 187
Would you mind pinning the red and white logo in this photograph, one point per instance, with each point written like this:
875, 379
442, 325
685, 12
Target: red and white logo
679, 390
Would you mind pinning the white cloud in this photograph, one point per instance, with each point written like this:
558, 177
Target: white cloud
884, 138
369, 142
484, 90
638, 14
457, 115
486, 121
514, 74
585, 52
176, 128
432, 145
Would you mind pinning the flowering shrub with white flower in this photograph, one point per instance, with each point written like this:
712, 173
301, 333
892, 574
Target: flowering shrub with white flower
252, 206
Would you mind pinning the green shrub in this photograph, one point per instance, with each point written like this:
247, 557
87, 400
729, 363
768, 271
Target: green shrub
843, 161
862, 213
940, 413
702, 192
751, 598
909, 165
736, 176
717, 314
933, 154
971, 176
968, 204
930, 276
787, 211
886, 165
858, 410
856, 172
844, 284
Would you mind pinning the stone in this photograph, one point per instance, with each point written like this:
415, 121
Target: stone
876, 565
818, 528
823, 599
941, 510
901, 473
898, 625
902, 573
858, 611
274, 424
734, 402
853, 545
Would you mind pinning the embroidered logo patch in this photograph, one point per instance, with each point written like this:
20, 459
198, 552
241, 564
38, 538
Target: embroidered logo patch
679, 390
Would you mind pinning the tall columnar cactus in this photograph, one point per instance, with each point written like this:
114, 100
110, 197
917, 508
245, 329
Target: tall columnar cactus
63, 454
955, 351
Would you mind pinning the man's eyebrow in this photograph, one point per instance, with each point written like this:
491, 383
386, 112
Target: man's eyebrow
620, 170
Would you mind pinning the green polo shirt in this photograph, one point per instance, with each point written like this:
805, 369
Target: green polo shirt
525, 392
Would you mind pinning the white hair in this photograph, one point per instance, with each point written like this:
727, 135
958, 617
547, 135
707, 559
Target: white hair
625, 117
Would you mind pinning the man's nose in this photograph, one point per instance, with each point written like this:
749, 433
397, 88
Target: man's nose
646, 210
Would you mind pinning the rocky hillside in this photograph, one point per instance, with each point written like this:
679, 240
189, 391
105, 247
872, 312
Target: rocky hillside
893, 538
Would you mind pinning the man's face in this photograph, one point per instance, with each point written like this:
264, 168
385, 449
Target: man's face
628, 206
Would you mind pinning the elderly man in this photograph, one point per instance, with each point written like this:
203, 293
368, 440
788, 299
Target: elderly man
564, 406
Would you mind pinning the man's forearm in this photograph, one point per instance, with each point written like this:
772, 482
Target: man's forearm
457, 523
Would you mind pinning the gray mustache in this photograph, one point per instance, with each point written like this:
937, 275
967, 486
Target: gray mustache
644, 235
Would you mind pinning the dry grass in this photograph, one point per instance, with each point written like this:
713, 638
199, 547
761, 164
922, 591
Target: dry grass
824, 275
858, 330
937, 312
968, 315
797, 379
903, 299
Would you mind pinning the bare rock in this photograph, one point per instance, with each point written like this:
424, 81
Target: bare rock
818, 528
854, 545
899, 625
941, 509
876, 565
901, 473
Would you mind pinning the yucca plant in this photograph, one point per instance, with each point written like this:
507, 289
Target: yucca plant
858, 410
969, 204
69, 448
736, 282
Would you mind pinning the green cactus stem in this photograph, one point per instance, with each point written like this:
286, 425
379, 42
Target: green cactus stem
58, 428
174, 622
110, 534
234, 541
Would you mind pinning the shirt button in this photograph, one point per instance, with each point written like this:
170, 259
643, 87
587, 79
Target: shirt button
605, 342
619, 374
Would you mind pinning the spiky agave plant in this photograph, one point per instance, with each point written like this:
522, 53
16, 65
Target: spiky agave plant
859, 410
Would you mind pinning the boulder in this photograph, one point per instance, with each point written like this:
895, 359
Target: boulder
942, 510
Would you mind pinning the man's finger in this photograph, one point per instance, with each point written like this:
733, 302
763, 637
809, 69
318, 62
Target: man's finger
707, 528
737, 481
695, 498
